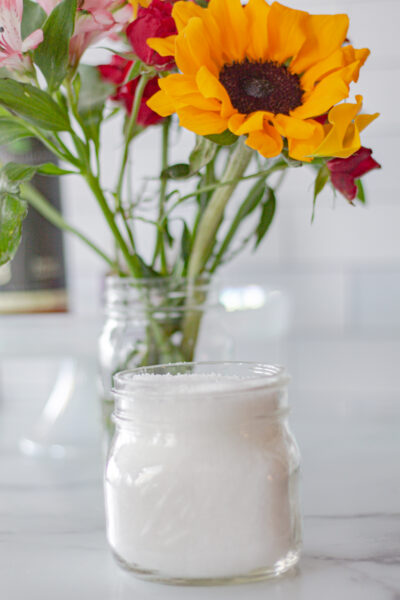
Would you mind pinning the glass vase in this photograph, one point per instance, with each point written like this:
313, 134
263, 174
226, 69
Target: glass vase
156, 321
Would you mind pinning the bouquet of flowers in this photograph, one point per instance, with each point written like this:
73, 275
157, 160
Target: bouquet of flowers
263, 88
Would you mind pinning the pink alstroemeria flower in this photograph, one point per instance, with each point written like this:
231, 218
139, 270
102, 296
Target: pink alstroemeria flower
95, 20
12, 47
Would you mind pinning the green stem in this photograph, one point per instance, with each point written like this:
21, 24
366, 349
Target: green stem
128, 135
38, 201
131, 260
211, 220
160, 247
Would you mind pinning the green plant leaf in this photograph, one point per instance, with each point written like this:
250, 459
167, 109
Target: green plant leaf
134, 71
226, 138
51, 56
12, 212
186, 245
360, 191
33, 104
93, 92
17, 172
321, 180
203, 153
250, 203
267, 215
33, 18
178, 171
11, 131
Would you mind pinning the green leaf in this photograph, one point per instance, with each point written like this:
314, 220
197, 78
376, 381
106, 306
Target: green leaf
134, 71
202, 154
267, 215
186, 244
252, 200
178, 171
12, 212
33, 18
92, 95
51, 56
321, 180
226, 138
360, 191
52, 169
33, 104
17, 172
11, 131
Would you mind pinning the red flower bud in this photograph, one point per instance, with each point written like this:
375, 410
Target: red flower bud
344, 171
153, 21
116, 72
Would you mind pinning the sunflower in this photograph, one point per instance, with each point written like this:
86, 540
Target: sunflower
265, 71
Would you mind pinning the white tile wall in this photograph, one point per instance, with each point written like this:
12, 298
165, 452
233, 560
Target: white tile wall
341, 274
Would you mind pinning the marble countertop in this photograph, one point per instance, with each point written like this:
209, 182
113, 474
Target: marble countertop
52, 539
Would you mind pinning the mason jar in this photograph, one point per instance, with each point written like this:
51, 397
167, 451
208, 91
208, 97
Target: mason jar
201, 482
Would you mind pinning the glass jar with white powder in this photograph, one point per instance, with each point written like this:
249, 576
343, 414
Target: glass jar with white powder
201, 483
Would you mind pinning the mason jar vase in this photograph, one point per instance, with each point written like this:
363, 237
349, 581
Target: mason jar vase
201, 482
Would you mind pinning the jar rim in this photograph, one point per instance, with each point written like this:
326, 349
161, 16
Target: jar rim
245, 376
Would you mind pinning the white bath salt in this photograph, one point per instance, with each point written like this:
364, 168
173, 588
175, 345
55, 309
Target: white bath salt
203, 486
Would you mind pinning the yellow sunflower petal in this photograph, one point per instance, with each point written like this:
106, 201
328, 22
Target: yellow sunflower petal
182, 12
164, 46
342, 134
286, 33
303, 149
161, 104
267, 142
232, 22
362, 121
290, 127
183, 90
211, 87
241, 124
200, 121
324, 35
257, 17
353, 56
191, 49
329, 91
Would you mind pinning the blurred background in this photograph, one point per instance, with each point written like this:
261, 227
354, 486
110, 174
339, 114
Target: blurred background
325, 297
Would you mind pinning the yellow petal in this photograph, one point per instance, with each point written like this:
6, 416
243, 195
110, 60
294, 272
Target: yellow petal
257, 17
232, 21
241, 124
362, 121
211, 87
161, 104
286, 34
182, 12
342, 134
183, 91
164, 46
303, 149
324, 35
267, 142
328, 92
191, 49
200, 121
290, 127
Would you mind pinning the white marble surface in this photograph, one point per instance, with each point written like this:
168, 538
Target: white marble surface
52, 541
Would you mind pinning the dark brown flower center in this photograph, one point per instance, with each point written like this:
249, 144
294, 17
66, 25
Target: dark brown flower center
261, 86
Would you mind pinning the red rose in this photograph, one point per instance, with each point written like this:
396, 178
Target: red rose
116, 72
344, 171
153, 21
